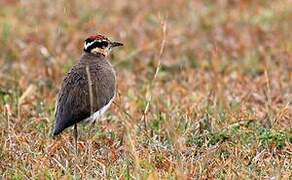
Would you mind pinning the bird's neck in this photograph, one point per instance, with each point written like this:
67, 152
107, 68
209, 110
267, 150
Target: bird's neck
92, 58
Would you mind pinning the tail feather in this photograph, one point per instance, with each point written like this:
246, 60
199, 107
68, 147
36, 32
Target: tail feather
59, 126
57, 131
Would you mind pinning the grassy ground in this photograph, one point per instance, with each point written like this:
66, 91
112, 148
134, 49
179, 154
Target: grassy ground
205, 89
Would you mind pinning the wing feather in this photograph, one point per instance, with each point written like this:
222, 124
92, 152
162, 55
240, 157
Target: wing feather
74, 99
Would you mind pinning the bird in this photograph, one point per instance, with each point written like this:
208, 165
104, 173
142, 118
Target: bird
89, 88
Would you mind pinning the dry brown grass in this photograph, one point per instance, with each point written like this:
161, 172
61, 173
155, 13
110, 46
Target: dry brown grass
205, 89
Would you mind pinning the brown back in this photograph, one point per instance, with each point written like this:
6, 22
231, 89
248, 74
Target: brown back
74, 98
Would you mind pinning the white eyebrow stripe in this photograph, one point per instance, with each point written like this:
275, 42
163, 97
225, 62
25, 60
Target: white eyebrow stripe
86, 45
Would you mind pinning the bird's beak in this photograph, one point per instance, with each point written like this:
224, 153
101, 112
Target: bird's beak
116, 44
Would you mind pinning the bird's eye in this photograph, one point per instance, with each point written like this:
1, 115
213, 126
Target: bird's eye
103, 44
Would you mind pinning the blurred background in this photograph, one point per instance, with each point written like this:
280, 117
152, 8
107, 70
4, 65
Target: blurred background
205, 89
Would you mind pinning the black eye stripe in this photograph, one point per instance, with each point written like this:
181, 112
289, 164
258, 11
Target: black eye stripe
88, 40
102, 44
91, 44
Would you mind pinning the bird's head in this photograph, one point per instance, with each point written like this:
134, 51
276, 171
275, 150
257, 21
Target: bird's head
99, 44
